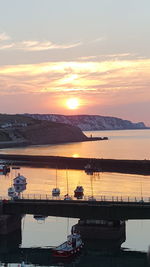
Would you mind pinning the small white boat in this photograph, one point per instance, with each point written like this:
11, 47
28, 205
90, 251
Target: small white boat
55, 192
20, 180
12, 193
78, 192
70, 248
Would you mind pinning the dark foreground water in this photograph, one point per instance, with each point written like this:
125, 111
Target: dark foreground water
33, 245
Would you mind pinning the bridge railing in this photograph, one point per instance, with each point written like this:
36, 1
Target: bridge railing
102, 198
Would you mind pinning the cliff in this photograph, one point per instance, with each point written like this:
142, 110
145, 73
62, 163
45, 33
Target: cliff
91, 122
17, 130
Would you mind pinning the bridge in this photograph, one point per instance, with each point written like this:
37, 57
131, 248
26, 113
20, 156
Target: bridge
102, 208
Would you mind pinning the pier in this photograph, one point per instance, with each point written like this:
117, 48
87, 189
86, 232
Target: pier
104, 165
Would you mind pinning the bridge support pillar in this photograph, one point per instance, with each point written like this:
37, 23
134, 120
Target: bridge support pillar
9, 224
102, 233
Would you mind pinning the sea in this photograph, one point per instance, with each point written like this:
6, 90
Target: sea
38, 236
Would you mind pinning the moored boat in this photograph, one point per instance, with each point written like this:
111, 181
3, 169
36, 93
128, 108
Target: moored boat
20, 180
70, 248
12, 193
67, 197
78, 192
4, 168
56, 190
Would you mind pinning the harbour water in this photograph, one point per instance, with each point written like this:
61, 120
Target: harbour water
53, 231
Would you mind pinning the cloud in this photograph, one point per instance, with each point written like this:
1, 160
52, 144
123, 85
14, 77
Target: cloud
125, 80
31, 45
99, 39
4, 37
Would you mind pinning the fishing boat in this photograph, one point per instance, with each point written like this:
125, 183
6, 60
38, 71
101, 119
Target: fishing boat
78, 192
56, 190
19, 180
70, 248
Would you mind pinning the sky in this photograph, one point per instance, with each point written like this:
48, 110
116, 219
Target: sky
96, 51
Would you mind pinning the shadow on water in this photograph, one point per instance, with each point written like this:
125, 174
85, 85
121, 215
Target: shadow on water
105, 250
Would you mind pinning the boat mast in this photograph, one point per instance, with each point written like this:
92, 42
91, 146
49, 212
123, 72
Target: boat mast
67, 182
56, 177
91, 184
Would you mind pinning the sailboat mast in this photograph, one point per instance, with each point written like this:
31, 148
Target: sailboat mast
56, 177
92, 185
67, 182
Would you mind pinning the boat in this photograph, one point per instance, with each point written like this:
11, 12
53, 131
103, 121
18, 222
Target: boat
19, 180
39, 217
19, 187
90, 169
56, 190
78, 192
12, 193
4, 168
67, 197
70, 248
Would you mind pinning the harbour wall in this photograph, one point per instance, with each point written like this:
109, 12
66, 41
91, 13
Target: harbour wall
103, 165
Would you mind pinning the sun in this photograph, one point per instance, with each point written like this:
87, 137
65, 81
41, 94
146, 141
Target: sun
72, 103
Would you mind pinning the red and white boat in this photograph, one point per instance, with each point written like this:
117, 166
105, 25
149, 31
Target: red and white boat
78, 192
70, 248
4, 168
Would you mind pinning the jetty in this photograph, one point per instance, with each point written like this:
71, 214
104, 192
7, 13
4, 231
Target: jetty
103, 165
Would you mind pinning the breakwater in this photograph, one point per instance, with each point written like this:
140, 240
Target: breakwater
104, 165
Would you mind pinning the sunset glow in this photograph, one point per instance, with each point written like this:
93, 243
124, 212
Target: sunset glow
72, 103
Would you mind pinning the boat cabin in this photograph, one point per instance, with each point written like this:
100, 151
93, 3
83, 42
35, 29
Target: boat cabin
20, 180
55, 192
78, 192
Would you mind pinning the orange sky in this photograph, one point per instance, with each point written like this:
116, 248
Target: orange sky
53, 50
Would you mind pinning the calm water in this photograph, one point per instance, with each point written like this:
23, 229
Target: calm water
53, 231
121, 144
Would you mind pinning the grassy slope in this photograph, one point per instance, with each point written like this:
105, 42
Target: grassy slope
38, 132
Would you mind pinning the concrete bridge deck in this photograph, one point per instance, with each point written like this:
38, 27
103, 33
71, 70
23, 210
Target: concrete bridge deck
83, 209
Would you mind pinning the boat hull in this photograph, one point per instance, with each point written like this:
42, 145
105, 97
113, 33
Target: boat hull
67, 254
